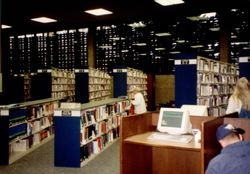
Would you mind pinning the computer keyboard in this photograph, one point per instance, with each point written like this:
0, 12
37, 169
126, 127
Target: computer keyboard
171, 138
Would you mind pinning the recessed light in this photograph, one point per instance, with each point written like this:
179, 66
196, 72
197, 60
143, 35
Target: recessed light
99, 12
160, 49
175, 52
169, 2
43, 20
5, 26
163, 34
197, 46
137, 25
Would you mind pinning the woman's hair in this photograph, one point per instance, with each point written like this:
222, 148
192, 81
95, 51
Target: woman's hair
242, 91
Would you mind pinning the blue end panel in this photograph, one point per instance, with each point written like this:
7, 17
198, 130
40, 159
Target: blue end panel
82, 87
185, 84
67, 141
120, 84
245, 70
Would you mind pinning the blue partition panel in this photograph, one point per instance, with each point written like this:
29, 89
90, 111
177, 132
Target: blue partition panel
67, 136
185, 84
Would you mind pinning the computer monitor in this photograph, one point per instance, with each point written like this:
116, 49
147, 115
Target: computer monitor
174, 121
196, 110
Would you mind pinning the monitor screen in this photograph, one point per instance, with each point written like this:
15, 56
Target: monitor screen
174, 121
196, 110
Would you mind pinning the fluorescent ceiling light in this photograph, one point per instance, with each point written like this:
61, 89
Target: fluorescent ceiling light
160, 49
99, 12
105, 46
5, 26
207, 15
215, 29
169, 2
180, 41
140, 44
117, 38
137, 25
193, 18
246, 48
163, 34
175, 52
197, 46
124, 51
43, 20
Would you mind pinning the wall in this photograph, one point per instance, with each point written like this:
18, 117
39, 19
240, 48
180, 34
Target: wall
164, 89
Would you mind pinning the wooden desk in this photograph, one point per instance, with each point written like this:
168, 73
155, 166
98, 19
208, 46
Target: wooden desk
145, 156
141, 156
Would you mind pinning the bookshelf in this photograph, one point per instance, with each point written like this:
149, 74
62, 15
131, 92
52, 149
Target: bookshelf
124, 80
92, 85
82, 131
205, 81
55, 83
24, 127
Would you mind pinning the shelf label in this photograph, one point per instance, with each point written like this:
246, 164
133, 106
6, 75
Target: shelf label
4, 112
44, 70
81, 70
120, 70
244, 59
185, 62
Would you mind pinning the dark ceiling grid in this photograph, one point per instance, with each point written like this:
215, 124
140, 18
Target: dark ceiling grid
173, 19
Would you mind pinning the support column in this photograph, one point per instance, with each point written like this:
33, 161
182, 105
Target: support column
91, 47
224, 40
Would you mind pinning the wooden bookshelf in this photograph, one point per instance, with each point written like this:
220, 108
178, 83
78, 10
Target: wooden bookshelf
25, 127
82, 131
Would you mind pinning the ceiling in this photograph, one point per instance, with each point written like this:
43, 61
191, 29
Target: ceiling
71, 13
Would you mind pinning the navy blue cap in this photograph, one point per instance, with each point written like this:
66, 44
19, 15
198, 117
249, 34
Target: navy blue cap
226, 129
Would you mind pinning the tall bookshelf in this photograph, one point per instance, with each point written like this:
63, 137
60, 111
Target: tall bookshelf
126, 78
55, 83
92, 85
205, 81
82, 131
24, 127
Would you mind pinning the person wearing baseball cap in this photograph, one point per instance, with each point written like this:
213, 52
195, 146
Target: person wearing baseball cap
235, 154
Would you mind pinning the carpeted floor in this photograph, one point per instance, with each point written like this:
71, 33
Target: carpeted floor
41, 161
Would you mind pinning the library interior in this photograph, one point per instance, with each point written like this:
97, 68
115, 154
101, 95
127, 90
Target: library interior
71, 74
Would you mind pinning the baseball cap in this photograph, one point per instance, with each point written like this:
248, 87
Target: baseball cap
226, 129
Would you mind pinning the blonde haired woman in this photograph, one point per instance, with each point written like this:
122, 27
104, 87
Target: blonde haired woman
239, 101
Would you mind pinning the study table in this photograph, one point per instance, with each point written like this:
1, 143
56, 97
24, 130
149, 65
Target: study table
156, 156
142, 156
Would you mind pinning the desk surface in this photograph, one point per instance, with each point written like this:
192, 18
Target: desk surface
142, 139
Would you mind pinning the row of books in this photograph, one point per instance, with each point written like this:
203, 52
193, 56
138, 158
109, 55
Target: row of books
94, 147
213, 101
205, 64
208, 90
29, 142
216, 78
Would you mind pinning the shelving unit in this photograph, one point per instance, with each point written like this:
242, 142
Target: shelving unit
92, 85
25, 127
56, 83
82, 131
126, 78
205, 81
